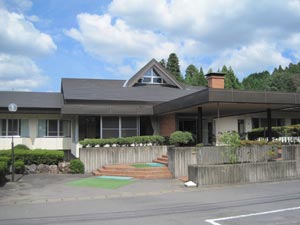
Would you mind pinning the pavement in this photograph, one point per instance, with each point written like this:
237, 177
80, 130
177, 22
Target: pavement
43, 188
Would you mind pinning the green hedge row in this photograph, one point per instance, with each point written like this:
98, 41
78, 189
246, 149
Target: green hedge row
283, 131
124, 141
48, 157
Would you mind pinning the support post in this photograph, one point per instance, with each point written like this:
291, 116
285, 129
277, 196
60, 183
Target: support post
199, 126
269, 124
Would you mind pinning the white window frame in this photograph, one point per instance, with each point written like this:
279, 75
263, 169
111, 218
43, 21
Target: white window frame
6, 128
58, 129
152, 76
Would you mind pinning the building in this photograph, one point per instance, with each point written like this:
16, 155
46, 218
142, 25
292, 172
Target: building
150, 102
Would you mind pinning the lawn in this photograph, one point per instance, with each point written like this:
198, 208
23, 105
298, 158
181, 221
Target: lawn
98, 182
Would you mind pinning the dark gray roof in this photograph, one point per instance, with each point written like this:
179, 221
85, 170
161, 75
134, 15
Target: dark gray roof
31, 99
113, 90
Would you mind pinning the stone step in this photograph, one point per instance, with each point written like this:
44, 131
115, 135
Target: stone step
161, 162
139, 176
104, 171
162, 159
165, 156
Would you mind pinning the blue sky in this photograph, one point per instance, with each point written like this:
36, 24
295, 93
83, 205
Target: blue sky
44, 41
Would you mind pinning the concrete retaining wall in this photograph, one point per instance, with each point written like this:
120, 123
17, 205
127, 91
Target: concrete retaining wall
205, 175
94, 158
180, 158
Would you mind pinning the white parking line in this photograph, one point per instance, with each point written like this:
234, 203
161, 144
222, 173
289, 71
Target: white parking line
214, 221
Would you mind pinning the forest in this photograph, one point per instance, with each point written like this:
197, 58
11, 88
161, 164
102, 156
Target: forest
281, 79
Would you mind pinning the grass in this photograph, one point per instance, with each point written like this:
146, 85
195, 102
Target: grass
100, 183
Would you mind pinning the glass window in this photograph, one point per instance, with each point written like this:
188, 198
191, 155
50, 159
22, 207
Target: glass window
110, 127
152, 77
10, 127
129, 126
65, 128
53, 128
24, 129
295, 121
42, 128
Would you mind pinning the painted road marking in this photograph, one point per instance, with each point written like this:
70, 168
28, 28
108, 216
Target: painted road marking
215, 221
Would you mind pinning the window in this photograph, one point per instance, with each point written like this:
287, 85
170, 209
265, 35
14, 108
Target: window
110, 127
113, 127
241, 127
54, 128
295, 121
152, 77
14, 127
129, 127
262, 122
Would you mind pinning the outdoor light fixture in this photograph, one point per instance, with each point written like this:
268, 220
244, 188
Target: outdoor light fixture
12, 107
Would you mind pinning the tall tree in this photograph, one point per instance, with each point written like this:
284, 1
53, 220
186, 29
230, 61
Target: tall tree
199, 79
231, 81
257, 81
190, 72
173, 66
163, 62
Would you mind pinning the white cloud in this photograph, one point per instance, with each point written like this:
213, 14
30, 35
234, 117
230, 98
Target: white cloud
19, 73
114, 41
250, 59
19, 36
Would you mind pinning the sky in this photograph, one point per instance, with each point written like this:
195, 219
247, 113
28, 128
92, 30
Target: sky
42, 41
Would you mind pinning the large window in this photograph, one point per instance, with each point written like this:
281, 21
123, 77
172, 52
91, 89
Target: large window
262, 122
14, 127
152, 77
295, 121
54, 128
110, 127
113, 127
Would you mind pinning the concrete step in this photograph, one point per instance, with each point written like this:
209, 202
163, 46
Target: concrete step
161, 161
130, 171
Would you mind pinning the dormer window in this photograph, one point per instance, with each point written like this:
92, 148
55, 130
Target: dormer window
151, 77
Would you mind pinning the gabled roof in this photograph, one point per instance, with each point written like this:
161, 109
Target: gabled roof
169, 78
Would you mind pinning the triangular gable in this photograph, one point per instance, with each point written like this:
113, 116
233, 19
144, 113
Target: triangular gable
160, 71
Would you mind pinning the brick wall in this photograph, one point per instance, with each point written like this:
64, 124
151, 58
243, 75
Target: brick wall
167, 124
216, 82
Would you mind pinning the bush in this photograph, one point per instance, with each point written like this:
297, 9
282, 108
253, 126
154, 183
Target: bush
48, 157
123, 141
19, 167
283, 131
5, 159
231, 140
21, 147
181, 138
3, 172
76, 166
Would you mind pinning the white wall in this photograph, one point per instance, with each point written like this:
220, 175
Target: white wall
33, 141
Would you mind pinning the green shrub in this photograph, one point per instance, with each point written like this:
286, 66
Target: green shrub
19, 167
22, 147
48, 157
181, 138
123, 141
283, 131
76, 166
231, 140
3, 172
5, 159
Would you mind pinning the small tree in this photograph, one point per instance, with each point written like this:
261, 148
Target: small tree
231, 141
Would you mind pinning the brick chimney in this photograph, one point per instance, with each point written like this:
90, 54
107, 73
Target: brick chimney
215, 80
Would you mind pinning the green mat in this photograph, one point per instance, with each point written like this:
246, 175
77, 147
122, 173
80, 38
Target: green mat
144, 165
100, 183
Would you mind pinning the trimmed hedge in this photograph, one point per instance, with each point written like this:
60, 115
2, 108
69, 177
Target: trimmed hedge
76, 166
48, 157
19, 167
22, 147
124, 141
180, 138
3, 172
283, 131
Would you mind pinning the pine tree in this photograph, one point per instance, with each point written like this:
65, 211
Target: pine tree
190, 73
173, 66
231, 81
163, 62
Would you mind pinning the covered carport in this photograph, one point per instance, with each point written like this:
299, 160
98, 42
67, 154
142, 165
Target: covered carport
218, 103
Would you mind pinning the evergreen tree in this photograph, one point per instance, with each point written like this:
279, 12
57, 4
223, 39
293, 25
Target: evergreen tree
199, 79
163, 62
173, 66
231, 81
257, 81
190, 72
